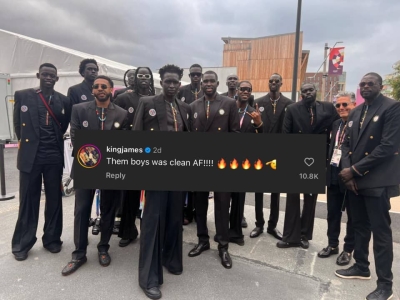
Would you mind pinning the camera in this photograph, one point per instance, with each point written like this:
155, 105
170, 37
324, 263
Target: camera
96, 226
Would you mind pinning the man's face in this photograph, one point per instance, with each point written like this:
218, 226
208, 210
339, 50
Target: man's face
47, 77
232, 81
91, 71
308, 93
131, 77
210, 84
170, 84
344, 106
275, 83
144, 78
195, 75
244, 91
370, 87
102, 90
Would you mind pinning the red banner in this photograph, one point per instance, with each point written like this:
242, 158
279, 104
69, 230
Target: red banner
336, 59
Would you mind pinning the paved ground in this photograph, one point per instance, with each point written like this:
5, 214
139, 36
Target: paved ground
260, 270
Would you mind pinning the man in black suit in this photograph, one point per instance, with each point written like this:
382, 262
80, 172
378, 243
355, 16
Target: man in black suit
307, 116
232, 84
272, 107
161, 229
250, 122
100, 114
371, 172
41, 117
131, 75
336, 194
82, 92
213, 113
143, 85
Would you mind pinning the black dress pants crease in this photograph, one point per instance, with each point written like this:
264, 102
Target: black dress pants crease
29, 204
221, 215
130, 207
236, 216
83, 207
297, 225
160, 237
335, 200
274, 210
188, 208
371, 214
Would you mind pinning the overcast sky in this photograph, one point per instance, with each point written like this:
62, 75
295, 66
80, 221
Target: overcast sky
153, 33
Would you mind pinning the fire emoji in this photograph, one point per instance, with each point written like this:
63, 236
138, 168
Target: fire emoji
258, 165
272, 163
234, 164
246, 164
222, 164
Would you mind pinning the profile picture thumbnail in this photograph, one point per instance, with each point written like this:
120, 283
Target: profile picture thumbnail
88, 156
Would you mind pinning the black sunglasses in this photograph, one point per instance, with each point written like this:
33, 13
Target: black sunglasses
337, 105
370, 83
195, 74
245, 89
103, 86
274, 80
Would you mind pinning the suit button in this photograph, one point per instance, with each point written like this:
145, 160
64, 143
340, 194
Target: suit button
219, 128
371, 137
350, 153
196, 129
131, 125
151, 129
26, 140
366, 153
23, 124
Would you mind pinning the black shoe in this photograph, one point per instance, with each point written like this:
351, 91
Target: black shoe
244, 223
54, 248
282, 244
304, 243
21, 256
380, 294
275, 233
124, 242
72, 266
256, 232
240, 242
343, 259
104, 259
353, 273
153, 293
198, 249
328, 251
226, 260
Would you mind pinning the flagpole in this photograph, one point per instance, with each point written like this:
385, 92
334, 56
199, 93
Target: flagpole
296, 53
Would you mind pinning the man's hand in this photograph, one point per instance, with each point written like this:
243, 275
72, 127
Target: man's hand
346, 174
352, 186
256, 116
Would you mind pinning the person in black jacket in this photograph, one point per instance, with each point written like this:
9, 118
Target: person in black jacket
82, 92
371, 173
130, 74
41, 117
336, 191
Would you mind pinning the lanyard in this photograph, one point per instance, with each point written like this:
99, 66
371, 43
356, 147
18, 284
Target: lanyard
340, 137
244, 113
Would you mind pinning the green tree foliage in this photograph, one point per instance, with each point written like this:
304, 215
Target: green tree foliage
394, 82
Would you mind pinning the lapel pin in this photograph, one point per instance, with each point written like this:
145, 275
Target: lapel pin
83, 97
221, 111
85, 123
130, 109
261, 108
152, 112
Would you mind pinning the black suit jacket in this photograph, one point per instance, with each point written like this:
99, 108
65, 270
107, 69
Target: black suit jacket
129, 102
80, 93
144, 121
185, 94
273, 122
121, 92
223, 116
248, 125
26, 124
374, 149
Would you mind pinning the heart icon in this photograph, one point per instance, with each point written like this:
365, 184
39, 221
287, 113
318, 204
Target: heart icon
309, 161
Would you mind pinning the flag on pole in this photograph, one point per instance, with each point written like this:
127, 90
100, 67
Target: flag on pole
336, 59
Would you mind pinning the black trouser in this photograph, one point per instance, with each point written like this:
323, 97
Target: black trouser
236, 216
30, 188
273, 213
221, 215
296, 226
372, 214
83, 208
188, 208
130, 207
335, 199
160, 237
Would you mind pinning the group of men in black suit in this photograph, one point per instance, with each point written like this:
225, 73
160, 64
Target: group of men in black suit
363, 166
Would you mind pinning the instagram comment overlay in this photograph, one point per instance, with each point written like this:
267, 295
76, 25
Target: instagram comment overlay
191, 161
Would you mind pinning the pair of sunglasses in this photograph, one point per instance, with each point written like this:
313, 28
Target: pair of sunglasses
195, 74
274, 80
337, 105
245, 89
103, 86
146, 76
362, 84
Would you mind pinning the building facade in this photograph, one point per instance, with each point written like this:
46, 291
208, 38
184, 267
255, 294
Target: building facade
333, 84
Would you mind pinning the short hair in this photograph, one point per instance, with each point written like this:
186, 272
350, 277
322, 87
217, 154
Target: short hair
231, 76
106, 78
210, 72
49, 65
379, 77
280, 77
246, 82
350, 95
311, 83
84, 62
171, 69
196, 66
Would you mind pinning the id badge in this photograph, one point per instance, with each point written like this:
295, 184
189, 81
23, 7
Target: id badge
337, 154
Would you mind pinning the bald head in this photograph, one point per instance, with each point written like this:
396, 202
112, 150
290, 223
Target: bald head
232, 81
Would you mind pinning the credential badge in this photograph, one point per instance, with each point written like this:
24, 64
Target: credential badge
130, 109
85, 123
83, 97
152, 112
24, 108
221, 111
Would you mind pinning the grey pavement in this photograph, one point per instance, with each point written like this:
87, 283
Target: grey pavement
260, 269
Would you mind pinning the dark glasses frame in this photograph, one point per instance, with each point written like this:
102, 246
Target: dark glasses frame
245, 88
337, 105
103, 86
274, 80
369, 83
